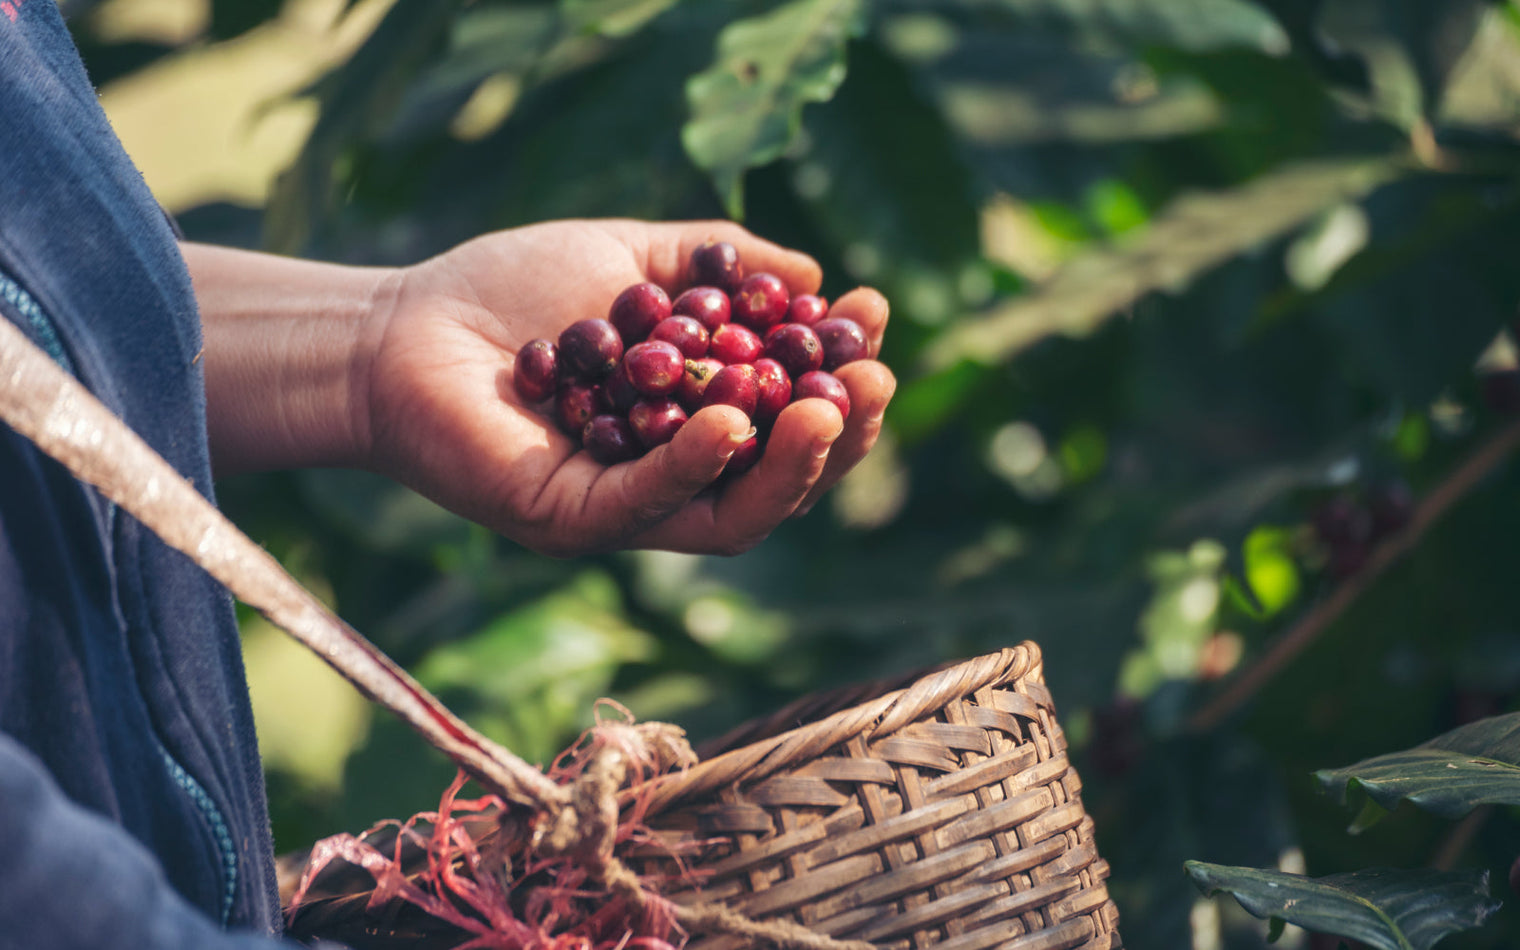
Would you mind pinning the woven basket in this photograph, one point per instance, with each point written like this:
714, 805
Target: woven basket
941, 811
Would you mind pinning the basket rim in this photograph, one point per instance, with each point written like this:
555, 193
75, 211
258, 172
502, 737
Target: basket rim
885, 714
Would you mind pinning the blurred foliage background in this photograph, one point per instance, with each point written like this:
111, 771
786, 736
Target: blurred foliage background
1196, 305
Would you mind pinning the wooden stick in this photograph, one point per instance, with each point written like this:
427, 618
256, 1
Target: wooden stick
49, 407
1317, 620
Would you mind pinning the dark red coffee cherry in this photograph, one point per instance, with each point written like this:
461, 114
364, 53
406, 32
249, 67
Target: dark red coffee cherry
807, 309
736, 385
637, 309
773, 390
537, 371
843, 341
656, 420
610, 439
618, 392
716, 264
590, 348
694, 382
796, 347
709, 306
654, 367
574, 405
686, 334
744, 458
761, 301
735, 343
822, 385
1341, 520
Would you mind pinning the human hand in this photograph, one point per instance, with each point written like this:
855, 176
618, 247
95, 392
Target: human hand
444, 418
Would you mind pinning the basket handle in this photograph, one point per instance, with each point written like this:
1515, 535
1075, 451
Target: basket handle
44, 403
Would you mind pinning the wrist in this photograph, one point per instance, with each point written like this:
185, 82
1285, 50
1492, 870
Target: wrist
287, 351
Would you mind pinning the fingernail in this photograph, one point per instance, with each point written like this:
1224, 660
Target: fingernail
733, 440
821, 447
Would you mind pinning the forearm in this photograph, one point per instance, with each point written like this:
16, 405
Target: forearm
286, 357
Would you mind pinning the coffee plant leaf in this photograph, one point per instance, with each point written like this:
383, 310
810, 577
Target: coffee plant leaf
746, 108
1475, 764
1385, 908
612, 17
1193, 235
1189, 24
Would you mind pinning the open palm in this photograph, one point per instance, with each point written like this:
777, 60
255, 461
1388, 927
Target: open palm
445, 419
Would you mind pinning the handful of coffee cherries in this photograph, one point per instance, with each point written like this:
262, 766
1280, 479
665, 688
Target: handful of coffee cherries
625, 384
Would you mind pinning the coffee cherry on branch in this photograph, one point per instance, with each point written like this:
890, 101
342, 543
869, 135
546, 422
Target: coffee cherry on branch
716, 264
637, 309
610, 439
709, 306
590, 348
537, 371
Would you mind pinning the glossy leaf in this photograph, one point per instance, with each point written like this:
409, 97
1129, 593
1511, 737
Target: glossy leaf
1386, 909
747, 106
1191, 236
612, 17
1472, 765
1189, 24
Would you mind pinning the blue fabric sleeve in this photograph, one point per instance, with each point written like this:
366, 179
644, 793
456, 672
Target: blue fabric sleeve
73, 881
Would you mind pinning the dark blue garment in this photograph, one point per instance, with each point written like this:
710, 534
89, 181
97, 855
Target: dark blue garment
132, 808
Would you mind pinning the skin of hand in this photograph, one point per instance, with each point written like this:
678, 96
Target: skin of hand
409, 373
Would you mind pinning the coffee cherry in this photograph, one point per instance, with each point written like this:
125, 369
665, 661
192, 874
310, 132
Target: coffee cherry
1340, 520
736, 385
610, 439
654, 367
590, 348
716, 264
708, 305
843, 341
537, 371
686, 334
773, 390
618, 392
694, 382
744, 457
735, 343
822, 385
761, 301
637, 309
574, 405
796, 347
807, 309
656, 420
1391, 505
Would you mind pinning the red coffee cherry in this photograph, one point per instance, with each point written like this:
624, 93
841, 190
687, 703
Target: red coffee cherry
590, 348
636, 310
708, 305
610, 440
761, 301
822, 385
537, 371
716, 264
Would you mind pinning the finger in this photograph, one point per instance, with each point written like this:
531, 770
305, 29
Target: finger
750, 507
870, 385
669, 248
627, 499
866, 307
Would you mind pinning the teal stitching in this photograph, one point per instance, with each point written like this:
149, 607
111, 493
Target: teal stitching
47, 335
208, 808
11, 292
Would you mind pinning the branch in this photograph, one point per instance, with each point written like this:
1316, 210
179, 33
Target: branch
1309, 628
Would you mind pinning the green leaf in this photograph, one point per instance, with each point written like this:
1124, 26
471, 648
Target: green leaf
358, 99
612, 17
1186, 24
1193, 235
747, 107
1475, 764
1385, 908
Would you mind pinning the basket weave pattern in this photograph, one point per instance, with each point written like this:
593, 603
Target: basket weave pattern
944, 813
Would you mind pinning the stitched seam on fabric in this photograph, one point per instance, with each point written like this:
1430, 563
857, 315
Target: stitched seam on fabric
47, 334
219, 830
